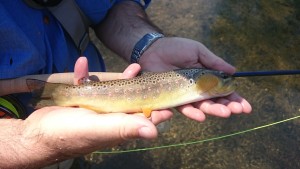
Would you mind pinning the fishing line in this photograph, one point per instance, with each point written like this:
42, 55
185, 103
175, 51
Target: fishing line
197, 142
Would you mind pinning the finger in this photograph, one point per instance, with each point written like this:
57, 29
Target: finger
161, 116
157, 116
210, 60
211, 108
246, 107
131, 71
234, 107
192, 112
81, 69
120, 126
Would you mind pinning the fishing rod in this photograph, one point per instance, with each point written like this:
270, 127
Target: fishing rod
266, 73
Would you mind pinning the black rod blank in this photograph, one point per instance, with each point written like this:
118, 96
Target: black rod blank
266, 73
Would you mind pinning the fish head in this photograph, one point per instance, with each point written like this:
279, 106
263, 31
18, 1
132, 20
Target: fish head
214, 83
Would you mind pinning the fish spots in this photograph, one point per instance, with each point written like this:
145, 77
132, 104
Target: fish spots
138, 91
157, 91
129, 99
186, 73
130, 90
192, 81
149, 85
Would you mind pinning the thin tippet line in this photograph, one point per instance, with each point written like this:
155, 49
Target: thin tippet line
197, 142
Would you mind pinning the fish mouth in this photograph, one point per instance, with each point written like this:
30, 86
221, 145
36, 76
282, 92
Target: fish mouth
228, 86
225, 87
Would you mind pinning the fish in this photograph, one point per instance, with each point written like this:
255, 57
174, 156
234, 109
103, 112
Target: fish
144, 93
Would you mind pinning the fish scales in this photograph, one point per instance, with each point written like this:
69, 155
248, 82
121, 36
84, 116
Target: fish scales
146, 90
144, 93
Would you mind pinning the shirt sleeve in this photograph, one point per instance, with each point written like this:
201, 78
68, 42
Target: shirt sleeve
96, 10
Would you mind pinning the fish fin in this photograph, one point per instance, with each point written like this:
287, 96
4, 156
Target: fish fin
38, 104
147, 112
140, 73
41, 93
143, 73
206, 82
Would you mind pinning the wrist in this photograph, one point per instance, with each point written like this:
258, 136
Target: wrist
38, 145
14, 150
142, 45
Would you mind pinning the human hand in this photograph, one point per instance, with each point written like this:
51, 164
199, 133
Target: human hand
174, 53
67, 132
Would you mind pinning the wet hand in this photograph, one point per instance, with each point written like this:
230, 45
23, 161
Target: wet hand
174, 53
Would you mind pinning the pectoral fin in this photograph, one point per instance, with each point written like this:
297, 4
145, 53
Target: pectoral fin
147, 112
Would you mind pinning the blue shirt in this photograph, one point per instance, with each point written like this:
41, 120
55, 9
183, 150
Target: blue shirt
33, 41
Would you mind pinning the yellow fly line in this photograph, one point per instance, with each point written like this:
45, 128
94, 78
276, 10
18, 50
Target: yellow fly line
198, 141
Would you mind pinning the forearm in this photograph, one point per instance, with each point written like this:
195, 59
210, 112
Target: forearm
125, 24
12, 152
21, 149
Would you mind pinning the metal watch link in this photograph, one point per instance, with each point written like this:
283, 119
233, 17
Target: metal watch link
143, 44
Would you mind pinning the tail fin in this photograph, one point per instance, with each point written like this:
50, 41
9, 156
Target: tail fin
41, 93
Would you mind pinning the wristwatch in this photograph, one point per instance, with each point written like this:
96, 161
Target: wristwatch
143, 44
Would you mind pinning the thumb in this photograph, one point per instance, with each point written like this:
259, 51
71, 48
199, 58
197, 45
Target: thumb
81, 69
212, 61
120, 127
131, 71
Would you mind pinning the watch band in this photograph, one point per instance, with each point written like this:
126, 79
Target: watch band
143, 44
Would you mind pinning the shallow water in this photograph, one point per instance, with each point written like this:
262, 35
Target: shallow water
251, 35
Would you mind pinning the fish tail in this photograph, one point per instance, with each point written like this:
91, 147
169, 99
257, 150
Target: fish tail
41, 93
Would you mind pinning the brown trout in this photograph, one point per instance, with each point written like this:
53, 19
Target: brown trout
144, 93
